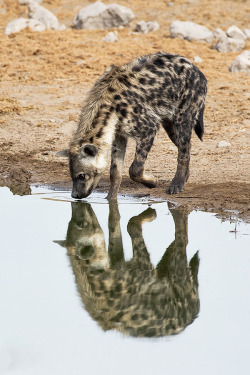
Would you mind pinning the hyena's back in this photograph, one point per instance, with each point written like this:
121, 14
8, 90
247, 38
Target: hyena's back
168, 86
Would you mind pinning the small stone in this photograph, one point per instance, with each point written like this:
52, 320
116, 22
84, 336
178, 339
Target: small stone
197, 59
219, 34
21, 23
101, 16
236, 33
247, 33
145, 27
223, 144
110, 37
27, 2
190, 31
241, 63
43, 15
226, 44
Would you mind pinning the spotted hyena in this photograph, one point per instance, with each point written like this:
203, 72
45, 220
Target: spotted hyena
132, 296
134, 100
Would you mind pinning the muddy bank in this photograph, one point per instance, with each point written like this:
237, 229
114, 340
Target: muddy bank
45, 76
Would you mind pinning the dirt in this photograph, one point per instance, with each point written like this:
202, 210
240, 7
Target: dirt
44, 77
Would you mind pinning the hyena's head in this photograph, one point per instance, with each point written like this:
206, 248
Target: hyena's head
86, 167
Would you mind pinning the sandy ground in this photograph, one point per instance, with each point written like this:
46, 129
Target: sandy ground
45, 76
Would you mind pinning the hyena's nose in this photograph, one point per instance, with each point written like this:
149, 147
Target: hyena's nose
75, 194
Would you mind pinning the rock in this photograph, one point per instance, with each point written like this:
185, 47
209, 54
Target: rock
43, 15
101, 16
226, 44
145, 27
21, 23
219, 34
236, 33
110, 37
247, 33
241, 63
223, 144
197, 59
27, 2
190, 31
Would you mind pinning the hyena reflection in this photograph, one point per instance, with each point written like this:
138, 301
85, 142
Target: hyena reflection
134, 100
132, 296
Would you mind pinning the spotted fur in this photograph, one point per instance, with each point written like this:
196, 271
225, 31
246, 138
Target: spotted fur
134, 100
132, 296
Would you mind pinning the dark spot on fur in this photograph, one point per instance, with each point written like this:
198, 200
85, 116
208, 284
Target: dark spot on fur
159, 63
123, 112
137, 68
142, 81
99, 134
152, 81
124, 79
111, 89
117, 97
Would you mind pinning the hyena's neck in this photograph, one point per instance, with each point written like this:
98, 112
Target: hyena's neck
101, 132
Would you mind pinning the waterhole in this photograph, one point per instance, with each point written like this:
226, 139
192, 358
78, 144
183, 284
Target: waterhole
137, 287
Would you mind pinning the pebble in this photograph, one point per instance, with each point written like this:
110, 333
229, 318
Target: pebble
223, 144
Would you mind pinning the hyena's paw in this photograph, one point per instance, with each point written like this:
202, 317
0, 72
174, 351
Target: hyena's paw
147, 180
175, 187
136, 222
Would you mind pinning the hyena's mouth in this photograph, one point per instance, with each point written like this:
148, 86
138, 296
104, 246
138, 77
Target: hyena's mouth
80, 194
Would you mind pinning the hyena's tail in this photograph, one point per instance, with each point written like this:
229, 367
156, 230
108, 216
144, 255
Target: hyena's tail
199, 127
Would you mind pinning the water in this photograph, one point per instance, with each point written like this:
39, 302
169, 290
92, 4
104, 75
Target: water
68, 307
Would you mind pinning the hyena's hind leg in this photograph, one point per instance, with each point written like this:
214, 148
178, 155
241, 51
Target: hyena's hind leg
117, 162
180, 133
136, 170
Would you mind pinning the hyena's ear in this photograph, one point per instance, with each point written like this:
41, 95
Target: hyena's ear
88, 150
64, 153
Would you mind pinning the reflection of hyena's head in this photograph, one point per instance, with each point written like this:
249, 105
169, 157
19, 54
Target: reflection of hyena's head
85, 238
86, 167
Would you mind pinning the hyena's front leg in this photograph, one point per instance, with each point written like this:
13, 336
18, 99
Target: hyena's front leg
117, 162
136, 170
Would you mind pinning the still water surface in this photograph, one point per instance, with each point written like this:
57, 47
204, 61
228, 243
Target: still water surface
133, 288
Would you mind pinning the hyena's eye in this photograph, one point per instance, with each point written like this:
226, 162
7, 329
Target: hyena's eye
81, 177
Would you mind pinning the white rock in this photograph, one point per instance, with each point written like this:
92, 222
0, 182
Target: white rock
218, 33
43, 15
241, 63
190, 31
226, 44
247, 33
21, 23
223, 144
101, 16
145, 27
110, 37
27, 2
197, 59
235, 32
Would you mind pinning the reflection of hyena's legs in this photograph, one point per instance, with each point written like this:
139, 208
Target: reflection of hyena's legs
115, 249
136, 170
140, 254
117, 162
174, 262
